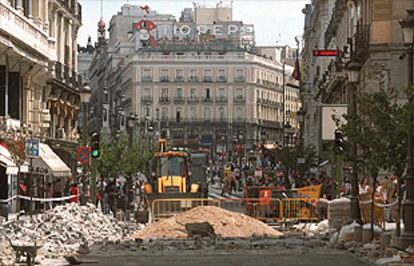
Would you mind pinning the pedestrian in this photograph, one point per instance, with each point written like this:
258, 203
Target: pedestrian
74, 192
49, 195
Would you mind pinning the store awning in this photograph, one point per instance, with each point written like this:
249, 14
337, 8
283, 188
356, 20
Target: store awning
49, 163
7, 161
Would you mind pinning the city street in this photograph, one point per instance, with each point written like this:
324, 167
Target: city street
207, 132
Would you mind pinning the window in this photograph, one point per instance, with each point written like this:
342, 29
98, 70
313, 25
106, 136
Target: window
193, 113
178, 114
207, 93
179, 92
207, 114
239, 75
164, 92
147, 111
179, 72
221, 92
164, 113
192, 93
239, 93
147, 73
239, 113
193, 74
221, 75
221, 114
164, 75
146, 93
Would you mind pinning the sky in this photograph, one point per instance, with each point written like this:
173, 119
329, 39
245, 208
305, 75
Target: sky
276, 22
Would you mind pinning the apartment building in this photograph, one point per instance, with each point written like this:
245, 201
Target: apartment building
38, 69
216, 96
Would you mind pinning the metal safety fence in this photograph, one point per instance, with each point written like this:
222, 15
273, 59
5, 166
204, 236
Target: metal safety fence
265, 209
165, 208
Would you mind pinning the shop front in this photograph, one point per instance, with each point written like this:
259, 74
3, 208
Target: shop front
49, 178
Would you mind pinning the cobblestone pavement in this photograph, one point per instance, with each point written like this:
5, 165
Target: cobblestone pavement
261, 252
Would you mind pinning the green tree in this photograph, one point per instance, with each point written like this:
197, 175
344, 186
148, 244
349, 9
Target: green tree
379, 130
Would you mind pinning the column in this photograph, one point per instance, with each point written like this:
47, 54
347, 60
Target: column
19, 6
45, 16
69, 42
61, 47
36, 8
29, 8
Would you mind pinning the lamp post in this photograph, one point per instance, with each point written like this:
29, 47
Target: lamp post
85, 96
407, 237
353, 70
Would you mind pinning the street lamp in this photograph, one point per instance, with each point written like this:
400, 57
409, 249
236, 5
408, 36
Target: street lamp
353, 70
85, 96
407, 237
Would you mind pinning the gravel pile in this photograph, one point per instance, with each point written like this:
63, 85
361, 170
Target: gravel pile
65, 228
226, 224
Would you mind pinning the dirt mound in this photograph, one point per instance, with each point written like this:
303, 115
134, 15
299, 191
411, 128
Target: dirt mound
225, 223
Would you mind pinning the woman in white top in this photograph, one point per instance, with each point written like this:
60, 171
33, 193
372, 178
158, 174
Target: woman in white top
363, 186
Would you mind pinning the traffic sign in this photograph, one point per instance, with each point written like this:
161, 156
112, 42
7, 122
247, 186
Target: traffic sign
32, 148
326, 52
83, 154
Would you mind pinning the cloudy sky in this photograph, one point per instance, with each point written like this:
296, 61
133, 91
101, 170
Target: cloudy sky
275, 21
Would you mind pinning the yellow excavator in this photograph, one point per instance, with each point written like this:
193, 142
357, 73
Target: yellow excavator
172, 178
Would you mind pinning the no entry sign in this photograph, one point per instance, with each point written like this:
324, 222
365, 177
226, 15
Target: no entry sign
83, 154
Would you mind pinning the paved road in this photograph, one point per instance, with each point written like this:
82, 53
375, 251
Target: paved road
238, 258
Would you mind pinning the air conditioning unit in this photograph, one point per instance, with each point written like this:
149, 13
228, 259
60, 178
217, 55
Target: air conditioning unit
61, 134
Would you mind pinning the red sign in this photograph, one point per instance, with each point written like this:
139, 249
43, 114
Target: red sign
83, 154
326, 52
144, 24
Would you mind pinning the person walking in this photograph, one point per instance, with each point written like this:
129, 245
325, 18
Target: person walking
74, 192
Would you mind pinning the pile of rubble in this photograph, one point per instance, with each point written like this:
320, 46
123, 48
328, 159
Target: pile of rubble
6, 254
226, 224
65, 228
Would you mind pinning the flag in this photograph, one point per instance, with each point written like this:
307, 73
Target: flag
296, 72
146, 8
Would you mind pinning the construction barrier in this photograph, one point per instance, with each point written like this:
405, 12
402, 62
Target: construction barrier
165, 208
265, 209
299, 209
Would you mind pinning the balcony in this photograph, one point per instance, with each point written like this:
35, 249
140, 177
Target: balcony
179, 99
193, 79
75, 9
146, 99
221, 79
164, 79
147, 79
64, 74
24, 30
193, 99
179, 79
362, 43
221, 99
164, 99
239, 79
239, 99
207, 100
207, 79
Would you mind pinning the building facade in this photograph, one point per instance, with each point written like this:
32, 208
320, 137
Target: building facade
368, 35
205, 91
38, 69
